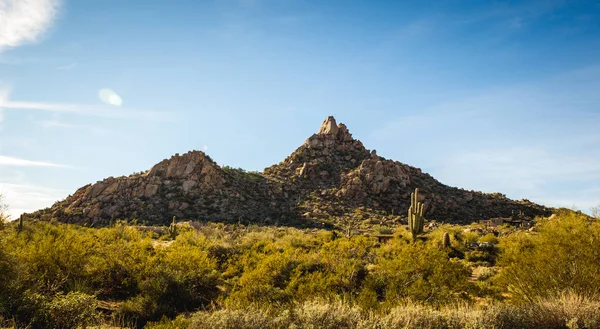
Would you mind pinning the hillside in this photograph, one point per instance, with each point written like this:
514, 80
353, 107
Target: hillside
331, 176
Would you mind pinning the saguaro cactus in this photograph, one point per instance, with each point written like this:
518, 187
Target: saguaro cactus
415, 214
446, 240
20, 224
173, 228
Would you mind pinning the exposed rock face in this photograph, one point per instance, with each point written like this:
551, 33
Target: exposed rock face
329, 176
186, 186
329, 127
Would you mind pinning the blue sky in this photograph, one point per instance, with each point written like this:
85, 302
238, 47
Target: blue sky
492, 96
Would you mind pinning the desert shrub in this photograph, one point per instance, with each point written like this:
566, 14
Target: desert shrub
470, 237
11, 287
293, 270
418, 272
563, 256
385, 230
52, 254
265, 284
566, 310
489, 238
485, 273
482, 256
180, 278
119, 258
72, 310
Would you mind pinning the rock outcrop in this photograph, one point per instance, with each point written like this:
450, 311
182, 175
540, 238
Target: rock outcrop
331, 175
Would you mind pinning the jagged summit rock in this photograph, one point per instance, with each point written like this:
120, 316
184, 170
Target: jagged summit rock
328, 127
329, 177
330, 130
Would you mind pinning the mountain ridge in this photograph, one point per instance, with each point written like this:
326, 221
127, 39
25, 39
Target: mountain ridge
330, 177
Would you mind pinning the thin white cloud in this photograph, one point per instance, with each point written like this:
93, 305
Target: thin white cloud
24, 21
55, 124
4, 91
110, 112
7, 161
63, 125
67, 66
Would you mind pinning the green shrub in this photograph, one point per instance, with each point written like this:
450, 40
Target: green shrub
72, 310
418, 272
563, 256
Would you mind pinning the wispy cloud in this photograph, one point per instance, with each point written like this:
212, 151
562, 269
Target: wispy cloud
4, 91
63, 125
25, 21
110, 112
67, 66
104, 111
7, 161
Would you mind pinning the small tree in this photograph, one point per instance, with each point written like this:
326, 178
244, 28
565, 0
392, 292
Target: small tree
596, 211
3, 211
350, 223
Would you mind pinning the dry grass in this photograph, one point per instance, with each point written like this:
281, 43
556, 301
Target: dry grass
565, 311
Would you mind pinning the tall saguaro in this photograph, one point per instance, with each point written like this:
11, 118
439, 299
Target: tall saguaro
415, 214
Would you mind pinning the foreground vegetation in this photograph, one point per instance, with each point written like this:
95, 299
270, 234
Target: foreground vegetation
233, 276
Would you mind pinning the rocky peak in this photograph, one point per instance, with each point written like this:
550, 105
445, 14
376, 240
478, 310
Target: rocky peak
330, 130
329, 127
323, 157
333, 136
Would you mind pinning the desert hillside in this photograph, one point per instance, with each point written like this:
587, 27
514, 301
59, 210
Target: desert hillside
329, 178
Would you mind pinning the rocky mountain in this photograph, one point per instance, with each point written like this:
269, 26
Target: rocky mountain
330, 178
